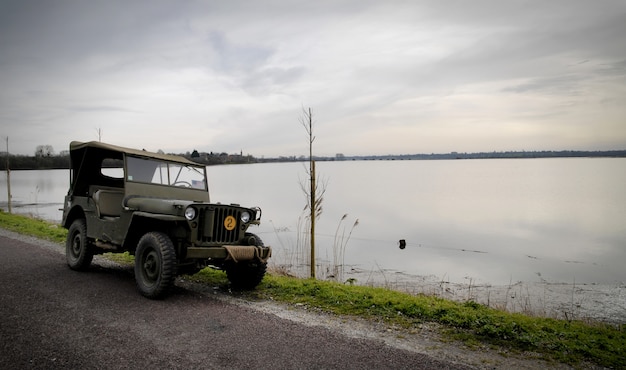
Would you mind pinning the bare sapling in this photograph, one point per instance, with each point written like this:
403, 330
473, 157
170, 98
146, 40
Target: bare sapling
314, 194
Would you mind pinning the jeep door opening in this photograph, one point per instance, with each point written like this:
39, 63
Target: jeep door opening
156, 207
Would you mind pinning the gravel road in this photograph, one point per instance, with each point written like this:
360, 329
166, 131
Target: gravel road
53, 317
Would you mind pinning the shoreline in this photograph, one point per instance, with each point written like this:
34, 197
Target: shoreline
589, 302
569, 301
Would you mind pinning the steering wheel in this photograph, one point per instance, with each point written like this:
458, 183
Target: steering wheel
184, 184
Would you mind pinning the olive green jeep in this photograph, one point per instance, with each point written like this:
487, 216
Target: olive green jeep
157, 208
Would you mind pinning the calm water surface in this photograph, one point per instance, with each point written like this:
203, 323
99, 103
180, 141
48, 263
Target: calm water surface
492, 221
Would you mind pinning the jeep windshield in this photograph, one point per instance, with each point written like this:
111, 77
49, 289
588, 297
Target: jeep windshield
160, 172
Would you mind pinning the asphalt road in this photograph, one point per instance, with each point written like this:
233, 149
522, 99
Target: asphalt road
53, 317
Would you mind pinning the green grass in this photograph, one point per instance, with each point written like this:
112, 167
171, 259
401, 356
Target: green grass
565, 341
34, 227
121, 258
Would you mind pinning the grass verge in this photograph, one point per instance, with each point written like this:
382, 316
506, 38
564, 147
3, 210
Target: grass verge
34, 227
569, 342
565, 341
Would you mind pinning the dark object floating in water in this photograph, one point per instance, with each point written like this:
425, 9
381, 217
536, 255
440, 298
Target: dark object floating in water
402, 243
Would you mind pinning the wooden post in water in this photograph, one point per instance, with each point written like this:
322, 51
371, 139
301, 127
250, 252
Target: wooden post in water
8, 179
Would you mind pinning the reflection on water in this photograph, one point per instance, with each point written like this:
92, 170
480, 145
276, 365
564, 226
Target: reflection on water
36, 193
491, 221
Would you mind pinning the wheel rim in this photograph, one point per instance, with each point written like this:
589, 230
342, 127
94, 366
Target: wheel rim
76, 245
151, 266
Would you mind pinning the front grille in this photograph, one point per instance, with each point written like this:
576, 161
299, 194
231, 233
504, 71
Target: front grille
214, 227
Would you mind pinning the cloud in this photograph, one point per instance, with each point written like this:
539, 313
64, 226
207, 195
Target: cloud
388, 77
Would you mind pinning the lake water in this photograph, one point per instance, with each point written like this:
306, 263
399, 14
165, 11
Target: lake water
489, 221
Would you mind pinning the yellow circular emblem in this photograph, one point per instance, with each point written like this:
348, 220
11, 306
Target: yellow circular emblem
230, 223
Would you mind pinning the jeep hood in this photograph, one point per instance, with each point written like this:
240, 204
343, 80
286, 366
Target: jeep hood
173, 207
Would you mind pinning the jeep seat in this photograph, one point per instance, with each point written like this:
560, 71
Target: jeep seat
108, 202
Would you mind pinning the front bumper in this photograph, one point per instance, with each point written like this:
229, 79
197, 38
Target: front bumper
233, 253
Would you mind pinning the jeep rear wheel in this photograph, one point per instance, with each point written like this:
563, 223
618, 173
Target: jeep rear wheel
78, 251
155, 265
246, 275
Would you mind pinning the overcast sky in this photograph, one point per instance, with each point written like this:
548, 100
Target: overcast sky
381, 77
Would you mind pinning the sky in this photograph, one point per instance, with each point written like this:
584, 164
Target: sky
380, 77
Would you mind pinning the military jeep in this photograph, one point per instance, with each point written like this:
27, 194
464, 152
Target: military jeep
157, 208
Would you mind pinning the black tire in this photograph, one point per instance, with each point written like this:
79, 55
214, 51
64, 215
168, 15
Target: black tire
155, 265
246, 275
78, 251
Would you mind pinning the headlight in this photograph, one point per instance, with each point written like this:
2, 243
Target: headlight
190, 213
245, 217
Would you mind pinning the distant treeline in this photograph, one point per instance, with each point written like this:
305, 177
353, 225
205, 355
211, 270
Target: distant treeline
22, 162
18, 162
48, 162
510, 154
457, 155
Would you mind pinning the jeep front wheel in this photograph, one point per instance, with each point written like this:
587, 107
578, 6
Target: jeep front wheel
78, 251
155, 265
245, 275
